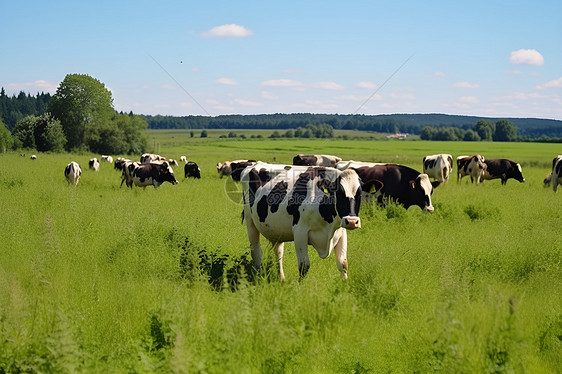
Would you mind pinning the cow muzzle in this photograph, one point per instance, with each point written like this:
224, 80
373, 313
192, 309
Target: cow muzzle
429, 208
351, 223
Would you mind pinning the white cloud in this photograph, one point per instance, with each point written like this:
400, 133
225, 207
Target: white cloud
282, 83
227, 31
327, 86
526, 57
466, 85
439, 74
247, 102
31, 87
468, 100
367, 85
556, 83
227, 81
267, 95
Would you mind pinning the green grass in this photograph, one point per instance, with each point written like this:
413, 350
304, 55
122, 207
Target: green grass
96, 278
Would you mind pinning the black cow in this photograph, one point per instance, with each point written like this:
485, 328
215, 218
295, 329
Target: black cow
152, 174
503, 169
398, 182
316, 160
192, 170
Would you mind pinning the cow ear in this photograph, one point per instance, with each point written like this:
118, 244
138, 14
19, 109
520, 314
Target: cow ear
412, 184
435, 184
376, 186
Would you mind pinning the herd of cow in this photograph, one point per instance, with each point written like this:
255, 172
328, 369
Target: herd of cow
317, 198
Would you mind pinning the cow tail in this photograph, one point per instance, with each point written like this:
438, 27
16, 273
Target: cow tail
242, 216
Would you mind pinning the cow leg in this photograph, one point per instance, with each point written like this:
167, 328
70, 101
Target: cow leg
301, 248
279, 248
340, 251
254, 238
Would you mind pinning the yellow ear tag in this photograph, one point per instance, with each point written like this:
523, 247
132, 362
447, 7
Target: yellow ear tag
325, 190
373, 189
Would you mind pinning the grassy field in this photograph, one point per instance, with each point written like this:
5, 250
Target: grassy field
100, 278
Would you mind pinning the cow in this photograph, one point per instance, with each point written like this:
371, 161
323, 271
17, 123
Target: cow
342, 165
399, 183
438, 167
307, 205
94, 164
107, 159
316, 160
192, 170
119, 163
503, 169
72, 172
556, 173
183, 159
33, 157
471, 165
153, 174
233, 168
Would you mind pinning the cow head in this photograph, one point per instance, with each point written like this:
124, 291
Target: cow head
348, 199
422, 189
518, 173
167, 173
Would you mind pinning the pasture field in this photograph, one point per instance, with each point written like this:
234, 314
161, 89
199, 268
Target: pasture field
98, 278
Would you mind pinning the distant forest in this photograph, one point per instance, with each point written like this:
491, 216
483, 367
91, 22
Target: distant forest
532, 128
16, 107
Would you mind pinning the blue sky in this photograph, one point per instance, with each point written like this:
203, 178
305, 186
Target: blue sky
484, 58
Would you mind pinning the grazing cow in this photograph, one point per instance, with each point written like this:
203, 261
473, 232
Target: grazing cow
72, 172
307, 205
119, 163
316, 160
183, 159
107, 159
192, 170
438, 167
556, 173
471, 165
233, 168
399, 183
342, 165
153, 174
94, 164
33, 157
148, 158
503, 169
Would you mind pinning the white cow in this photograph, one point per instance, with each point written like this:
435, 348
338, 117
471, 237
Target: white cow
107, 159
471, 165
94, 164
438, 167
307, 205
72, 172
556, 177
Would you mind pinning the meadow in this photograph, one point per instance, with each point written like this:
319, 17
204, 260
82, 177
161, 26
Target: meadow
98, 278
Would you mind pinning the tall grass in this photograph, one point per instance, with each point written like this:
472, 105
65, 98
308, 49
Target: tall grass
99, 278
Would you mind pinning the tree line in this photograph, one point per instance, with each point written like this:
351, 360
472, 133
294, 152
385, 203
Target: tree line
484, 130
78, 117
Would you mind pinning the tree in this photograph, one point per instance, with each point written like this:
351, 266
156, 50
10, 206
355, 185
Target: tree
83, 106
43, 133
471, 136
505, 131
5, 137
427, 133
485, 129
204, 134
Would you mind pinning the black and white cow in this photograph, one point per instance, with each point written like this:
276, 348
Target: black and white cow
307, 205
233, 168
94, 164
556, 177
107, 159
72, 173
153, 174
503, 169
399, 183
438, 167
127, 169
192, 170
120, 163
471, 165
316, 160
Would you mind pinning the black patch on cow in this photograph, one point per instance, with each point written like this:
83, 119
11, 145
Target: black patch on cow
67, 170
300, 191
304, 160
559, 168
276, 196
327, 209
261, 208
429, 164
253, 185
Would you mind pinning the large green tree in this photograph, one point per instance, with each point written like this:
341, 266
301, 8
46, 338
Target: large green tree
505, 131
485, 129
84, 106
43, 133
